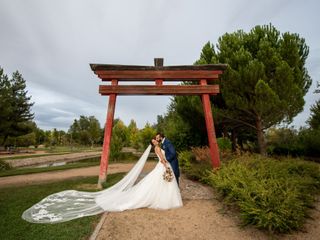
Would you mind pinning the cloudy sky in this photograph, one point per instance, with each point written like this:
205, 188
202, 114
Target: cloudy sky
52, 43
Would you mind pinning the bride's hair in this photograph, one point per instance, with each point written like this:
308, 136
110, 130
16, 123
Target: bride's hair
151, 143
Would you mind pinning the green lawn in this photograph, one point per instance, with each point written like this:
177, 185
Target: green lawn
54, 151
12, 157
59, 149
95, 161
14, 200
22, 171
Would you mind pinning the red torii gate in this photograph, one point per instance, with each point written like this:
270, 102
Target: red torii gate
158, 74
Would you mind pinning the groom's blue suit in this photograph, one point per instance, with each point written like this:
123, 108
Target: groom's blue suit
171, 156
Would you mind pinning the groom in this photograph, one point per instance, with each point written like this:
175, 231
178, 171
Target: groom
170, 153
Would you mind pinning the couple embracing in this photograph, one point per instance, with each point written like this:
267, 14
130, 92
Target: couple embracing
159, 189
166, 153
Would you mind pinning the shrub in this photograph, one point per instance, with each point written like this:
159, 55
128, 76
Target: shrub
224, 144
271, 194
285, 141
194, 169
201, 154
4, 165
311, 140
289, 141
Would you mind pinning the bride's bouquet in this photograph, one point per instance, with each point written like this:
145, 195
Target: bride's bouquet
168, 175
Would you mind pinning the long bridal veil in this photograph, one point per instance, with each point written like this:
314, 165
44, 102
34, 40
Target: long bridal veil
71, 204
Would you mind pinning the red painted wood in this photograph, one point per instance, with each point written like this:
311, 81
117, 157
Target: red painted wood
160, 74
214, 150
115, 73
107, 137
158, 89
159, 82
117, 67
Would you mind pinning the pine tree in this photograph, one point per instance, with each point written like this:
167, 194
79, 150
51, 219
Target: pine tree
15, 106
266, 80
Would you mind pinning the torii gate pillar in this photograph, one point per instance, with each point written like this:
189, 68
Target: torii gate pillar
107, 137
213, 145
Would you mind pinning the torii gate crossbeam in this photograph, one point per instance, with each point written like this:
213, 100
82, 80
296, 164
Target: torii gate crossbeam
159, 73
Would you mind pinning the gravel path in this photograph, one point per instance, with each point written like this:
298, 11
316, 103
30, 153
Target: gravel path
201, 218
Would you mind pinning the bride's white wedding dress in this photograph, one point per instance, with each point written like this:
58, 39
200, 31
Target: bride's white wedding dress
152, 191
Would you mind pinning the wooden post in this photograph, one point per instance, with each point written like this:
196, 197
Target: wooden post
107, 137
214, 150
158, 62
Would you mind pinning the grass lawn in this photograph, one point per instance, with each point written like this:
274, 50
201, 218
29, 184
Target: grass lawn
59, 150
12, 157
95, 161
22, 171
14, 200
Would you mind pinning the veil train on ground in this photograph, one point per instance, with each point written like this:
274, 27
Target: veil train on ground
71, 204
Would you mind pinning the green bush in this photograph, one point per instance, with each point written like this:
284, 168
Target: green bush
4, 165
311, 140
193, 169
289, 141
271, 194
285, 141
224, 143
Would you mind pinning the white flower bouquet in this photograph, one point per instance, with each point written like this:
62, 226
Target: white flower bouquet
168, 175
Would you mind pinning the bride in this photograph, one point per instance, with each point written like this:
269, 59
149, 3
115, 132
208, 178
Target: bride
158, 190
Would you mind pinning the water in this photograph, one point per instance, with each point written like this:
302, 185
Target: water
50, 164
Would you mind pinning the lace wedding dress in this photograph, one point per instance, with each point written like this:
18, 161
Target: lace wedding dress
152, 191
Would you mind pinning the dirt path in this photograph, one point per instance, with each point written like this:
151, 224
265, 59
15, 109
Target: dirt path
201, 218
66, 174
198, 219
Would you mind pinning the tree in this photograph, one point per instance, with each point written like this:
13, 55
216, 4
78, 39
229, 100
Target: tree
133, 133
266, 78
185, 123
85, 130
119, 139
227, 122
145, 135
94, 130
26, 139
15, 106
314, 120
318, 88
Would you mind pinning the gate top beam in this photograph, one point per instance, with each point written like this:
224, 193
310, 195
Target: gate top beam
159, 90
108, 72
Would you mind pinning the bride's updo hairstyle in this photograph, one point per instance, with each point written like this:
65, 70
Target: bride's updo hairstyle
151, 143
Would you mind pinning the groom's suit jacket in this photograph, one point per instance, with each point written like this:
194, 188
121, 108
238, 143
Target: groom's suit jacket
171, 156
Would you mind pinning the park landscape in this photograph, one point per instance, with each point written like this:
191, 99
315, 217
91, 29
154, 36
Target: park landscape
265, 187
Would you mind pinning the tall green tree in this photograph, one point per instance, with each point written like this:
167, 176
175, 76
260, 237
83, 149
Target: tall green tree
119, 139
314, 119
133, 133
15, 106
85, 130
145, 135
264, 84
227, 122
266, 80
